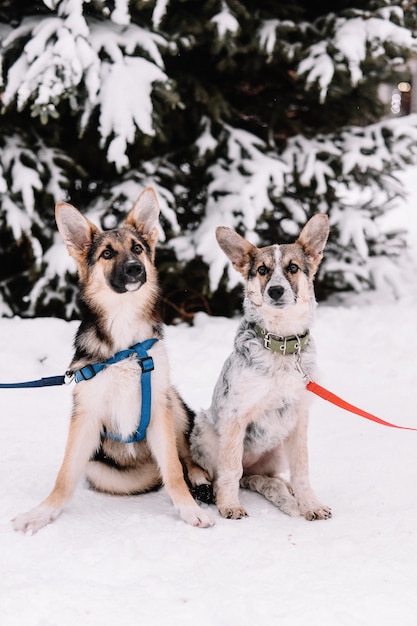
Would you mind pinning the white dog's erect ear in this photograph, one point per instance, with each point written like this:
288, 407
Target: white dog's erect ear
314, 236
144, 215
76, 230
235, 247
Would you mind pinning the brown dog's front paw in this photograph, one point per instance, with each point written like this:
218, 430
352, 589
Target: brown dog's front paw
35, 519
322, 512
233, 512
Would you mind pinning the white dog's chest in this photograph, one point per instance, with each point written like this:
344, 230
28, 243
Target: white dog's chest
265, 399
269, 429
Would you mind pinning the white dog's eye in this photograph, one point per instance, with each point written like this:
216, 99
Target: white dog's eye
262, 270
292, 268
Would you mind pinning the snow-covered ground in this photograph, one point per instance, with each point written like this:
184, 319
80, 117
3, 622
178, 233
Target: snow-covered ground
127, 561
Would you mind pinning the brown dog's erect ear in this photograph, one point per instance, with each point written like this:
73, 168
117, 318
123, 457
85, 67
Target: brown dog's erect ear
235, 247
314, 236
76, 230
144, 216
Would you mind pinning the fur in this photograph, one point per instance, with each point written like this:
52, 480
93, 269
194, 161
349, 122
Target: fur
119, 294
258, 418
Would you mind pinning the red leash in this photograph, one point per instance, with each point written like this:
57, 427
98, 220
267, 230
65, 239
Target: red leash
331, 397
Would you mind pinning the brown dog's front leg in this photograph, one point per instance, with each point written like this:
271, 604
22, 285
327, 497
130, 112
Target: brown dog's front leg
161, 440
83, 439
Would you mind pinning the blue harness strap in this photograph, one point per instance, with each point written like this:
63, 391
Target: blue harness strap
89, 371
146, 362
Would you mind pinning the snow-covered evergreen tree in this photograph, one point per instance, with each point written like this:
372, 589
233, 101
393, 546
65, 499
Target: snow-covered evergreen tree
250, 114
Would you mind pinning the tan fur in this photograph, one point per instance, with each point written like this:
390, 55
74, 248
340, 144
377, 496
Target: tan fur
121, 305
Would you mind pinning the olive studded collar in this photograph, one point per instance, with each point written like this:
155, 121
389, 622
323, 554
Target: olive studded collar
292, 344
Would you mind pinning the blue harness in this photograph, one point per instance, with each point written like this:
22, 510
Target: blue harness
89, 371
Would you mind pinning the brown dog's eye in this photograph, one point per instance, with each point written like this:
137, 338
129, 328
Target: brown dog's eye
108, 253
137, 248
292, 268
262, 270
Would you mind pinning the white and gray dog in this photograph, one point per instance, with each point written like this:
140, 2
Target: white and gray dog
257, 423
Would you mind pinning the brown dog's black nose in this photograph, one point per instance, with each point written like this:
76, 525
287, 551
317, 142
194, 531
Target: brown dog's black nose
275, 292
127, 276
133, 270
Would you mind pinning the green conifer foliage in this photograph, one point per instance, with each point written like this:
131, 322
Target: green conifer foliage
254, 115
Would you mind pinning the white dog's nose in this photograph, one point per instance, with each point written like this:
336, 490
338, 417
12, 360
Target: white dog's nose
275, 292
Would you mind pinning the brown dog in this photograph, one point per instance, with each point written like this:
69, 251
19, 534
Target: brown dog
119, 307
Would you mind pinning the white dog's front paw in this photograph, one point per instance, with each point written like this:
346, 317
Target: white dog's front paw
196, 516
315, 511
38, 517
319, 512
232, 512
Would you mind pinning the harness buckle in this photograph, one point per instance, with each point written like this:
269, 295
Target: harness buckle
146, 364
68, 377
87, 372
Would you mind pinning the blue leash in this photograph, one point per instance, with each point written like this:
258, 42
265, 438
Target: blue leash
89, 371
51, 381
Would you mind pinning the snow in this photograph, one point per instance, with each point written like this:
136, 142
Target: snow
351, 42
238, 193
252, 182
226, 23
64, 52
319, 66
121, 15
268, 36
159, 12
131, 560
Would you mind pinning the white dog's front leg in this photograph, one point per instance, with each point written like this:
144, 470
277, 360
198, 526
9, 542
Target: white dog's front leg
296, 448
229, 470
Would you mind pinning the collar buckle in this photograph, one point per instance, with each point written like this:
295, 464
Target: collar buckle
267, 341
282, 341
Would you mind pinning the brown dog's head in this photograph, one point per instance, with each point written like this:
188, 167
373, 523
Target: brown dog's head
118, 259
278, 276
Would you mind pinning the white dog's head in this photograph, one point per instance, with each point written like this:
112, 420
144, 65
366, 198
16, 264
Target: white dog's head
279, 278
